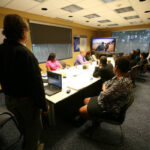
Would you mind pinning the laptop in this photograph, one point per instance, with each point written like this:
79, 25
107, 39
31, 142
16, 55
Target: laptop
54, 83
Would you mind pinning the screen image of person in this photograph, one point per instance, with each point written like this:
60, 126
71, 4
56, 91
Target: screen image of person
103, 44
52, 64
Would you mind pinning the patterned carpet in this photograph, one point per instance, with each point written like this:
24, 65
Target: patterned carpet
65, 136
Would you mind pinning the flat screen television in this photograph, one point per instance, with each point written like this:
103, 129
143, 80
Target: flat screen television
103, 44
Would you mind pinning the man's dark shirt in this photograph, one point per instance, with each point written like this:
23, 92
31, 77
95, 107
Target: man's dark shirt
133, 62
105, 72
20, 74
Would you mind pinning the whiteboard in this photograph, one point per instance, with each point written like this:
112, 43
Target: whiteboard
1, 36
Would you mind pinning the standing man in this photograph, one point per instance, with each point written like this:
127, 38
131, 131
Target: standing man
21, 81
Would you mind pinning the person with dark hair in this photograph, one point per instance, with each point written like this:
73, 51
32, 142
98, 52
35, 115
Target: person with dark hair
142, 61
88, 56
137, 52
115, 94
52, 64
105, 71
101, 47
21, 81
132, 57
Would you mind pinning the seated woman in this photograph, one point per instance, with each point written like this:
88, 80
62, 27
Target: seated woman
52, 64
88, 56
116, 93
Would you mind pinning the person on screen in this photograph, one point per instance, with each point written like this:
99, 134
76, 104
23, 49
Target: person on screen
80, 60
52, 64
21, 81
105, 71
115, 95
101, 47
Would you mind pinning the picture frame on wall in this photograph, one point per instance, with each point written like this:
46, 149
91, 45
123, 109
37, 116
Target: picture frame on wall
76, 44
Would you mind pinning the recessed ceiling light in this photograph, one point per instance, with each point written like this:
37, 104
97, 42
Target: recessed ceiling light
107, 1
98, 25
131, 17
136, 22
92, 16
104, 21
44, 9
142, 0
70, 16
87, 21
148, 11
72, 8
125, 9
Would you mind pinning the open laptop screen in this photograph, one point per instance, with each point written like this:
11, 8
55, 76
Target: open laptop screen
54, 79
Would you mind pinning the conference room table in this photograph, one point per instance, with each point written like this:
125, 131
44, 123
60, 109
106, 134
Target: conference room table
74, 79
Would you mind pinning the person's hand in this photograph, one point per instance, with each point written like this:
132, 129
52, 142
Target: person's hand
46, 112
104, 87
90, 61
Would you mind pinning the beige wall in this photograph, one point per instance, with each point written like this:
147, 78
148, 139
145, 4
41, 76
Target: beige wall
76, 30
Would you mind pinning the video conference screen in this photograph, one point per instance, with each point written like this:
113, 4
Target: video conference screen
103, 44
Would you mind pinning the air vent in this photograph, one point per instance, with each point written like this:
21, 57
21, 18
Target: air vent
92, 16
136, 22
108, 1
131, 17
64, 19
104, 21
40, 1
113, 24
72, 8
123, 10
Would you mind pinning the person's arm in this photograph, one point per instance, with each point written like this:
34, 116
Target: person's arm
36, 83
96, 72
60, 66
110, 94
80, 60
48, 68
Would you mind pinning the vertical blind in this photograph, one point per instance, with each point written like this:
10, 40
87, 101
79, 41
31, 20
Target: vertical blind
129, 40
47, 39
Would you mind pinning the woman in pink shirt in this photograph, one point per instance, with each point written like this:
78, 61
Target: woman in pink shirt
52, 64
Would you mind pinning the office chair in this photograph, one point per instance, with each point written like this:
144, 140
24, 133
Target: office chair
6, 116
108, 118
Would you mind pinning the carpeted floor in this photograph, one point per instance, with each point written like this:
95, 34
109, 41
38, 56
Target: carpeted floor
64, 136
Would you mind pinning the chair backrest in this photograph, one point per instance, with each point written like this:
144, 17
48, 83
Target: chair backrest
62, 63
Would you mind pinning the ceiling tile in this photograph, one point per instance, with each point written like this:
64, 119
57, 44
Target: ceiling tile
22, 5
4, 2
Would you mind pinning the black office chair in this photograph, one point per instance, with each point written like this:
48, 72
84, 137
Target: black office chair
112, 119
6, 116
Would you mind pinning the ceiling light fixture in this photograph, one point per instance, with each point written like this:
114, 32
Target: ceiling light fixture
142, 0
125, 9
92, 16
70, 16
72, 8
131, 17
108, 1
104, 21
148, 11
44, 9
87, 21
40, 1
